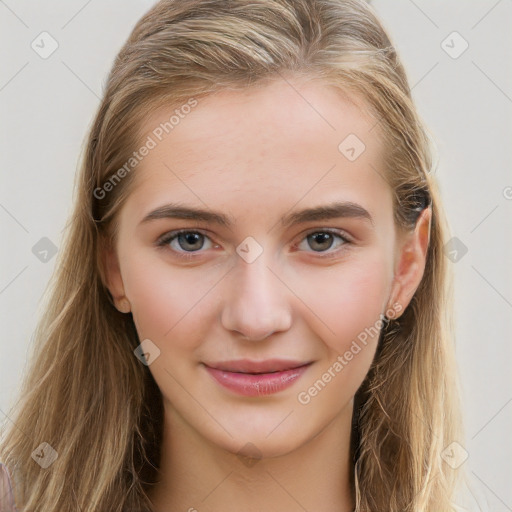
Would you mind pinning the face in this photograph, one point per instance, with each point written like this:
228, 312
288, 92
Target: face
261, 282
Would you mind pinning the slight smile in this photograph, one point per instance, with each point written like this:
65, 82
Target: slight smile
257, 378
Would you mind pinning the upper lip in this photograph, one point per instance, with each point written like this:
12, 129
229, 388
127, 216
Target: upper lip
247, 366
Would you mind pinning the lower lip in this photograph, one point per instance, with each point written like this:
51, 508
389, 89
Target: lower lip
248, 384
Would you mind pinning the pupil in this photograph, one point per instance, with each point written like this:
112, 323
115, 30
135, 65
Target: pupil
321, 237
190, 238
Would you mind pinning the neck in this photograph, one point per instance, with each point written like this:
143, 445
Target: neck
196, 475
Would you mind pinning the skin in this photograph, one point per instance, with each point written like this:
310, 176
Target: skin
258, 155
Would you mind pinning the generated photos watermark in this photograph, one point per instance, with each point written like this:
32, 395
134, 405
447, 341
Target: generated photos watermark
152, 140
304, 397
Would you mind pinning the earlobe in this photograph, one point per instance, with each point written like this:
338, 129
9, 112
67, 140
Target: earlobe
411, 261
123, 305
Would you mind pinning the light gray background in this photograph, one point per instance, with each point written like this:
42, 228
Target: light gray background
47, 106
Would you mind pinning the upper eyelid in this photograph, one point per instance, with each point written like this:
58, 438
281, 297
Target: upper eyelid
333, 231
175, 232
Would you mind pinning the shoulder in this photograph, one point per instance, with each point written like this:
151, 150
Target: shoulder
6, 493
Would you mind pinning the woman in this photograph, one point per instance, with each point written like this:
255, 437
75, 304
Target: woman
251, 310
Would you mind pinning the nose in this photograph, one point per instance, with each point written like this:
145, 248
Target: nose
255, 303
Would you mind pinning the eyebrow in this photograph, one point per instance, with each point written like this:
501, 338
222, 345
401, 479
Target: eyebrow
340, 209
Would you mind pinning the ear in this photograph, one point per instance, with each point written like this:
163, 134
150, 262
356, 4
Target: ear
114, 280
411, 260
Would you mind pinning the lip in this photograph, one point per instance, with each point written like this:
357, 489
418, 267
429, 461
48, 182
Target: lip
257, 378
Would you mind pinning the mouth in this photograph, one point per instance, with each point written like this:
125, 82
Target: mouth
256, 379
257, 367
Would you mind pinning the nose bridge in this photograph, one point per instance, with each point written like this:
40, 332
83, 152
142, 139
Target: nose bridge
256, 304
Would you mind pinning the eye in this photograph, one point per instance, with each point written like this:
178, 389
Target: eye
323, 240
184, 241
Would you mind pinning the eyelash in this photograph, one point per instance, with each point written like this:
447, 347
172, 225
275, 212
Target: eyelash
167, 238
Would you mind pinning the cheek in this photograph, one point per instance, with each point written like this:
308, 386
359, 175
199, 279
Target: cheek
349, 301
350, 306
164, 300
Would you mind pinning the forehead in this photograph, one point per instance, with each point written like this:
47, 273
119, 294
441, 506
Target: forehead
277, 144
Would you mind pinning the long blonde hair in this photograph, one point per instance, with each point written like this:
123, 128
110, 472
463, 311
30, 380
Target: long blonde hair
91, 399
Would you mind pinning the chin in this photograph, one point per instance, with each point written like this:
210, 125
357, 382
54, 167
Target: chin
250, 450
254, 444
